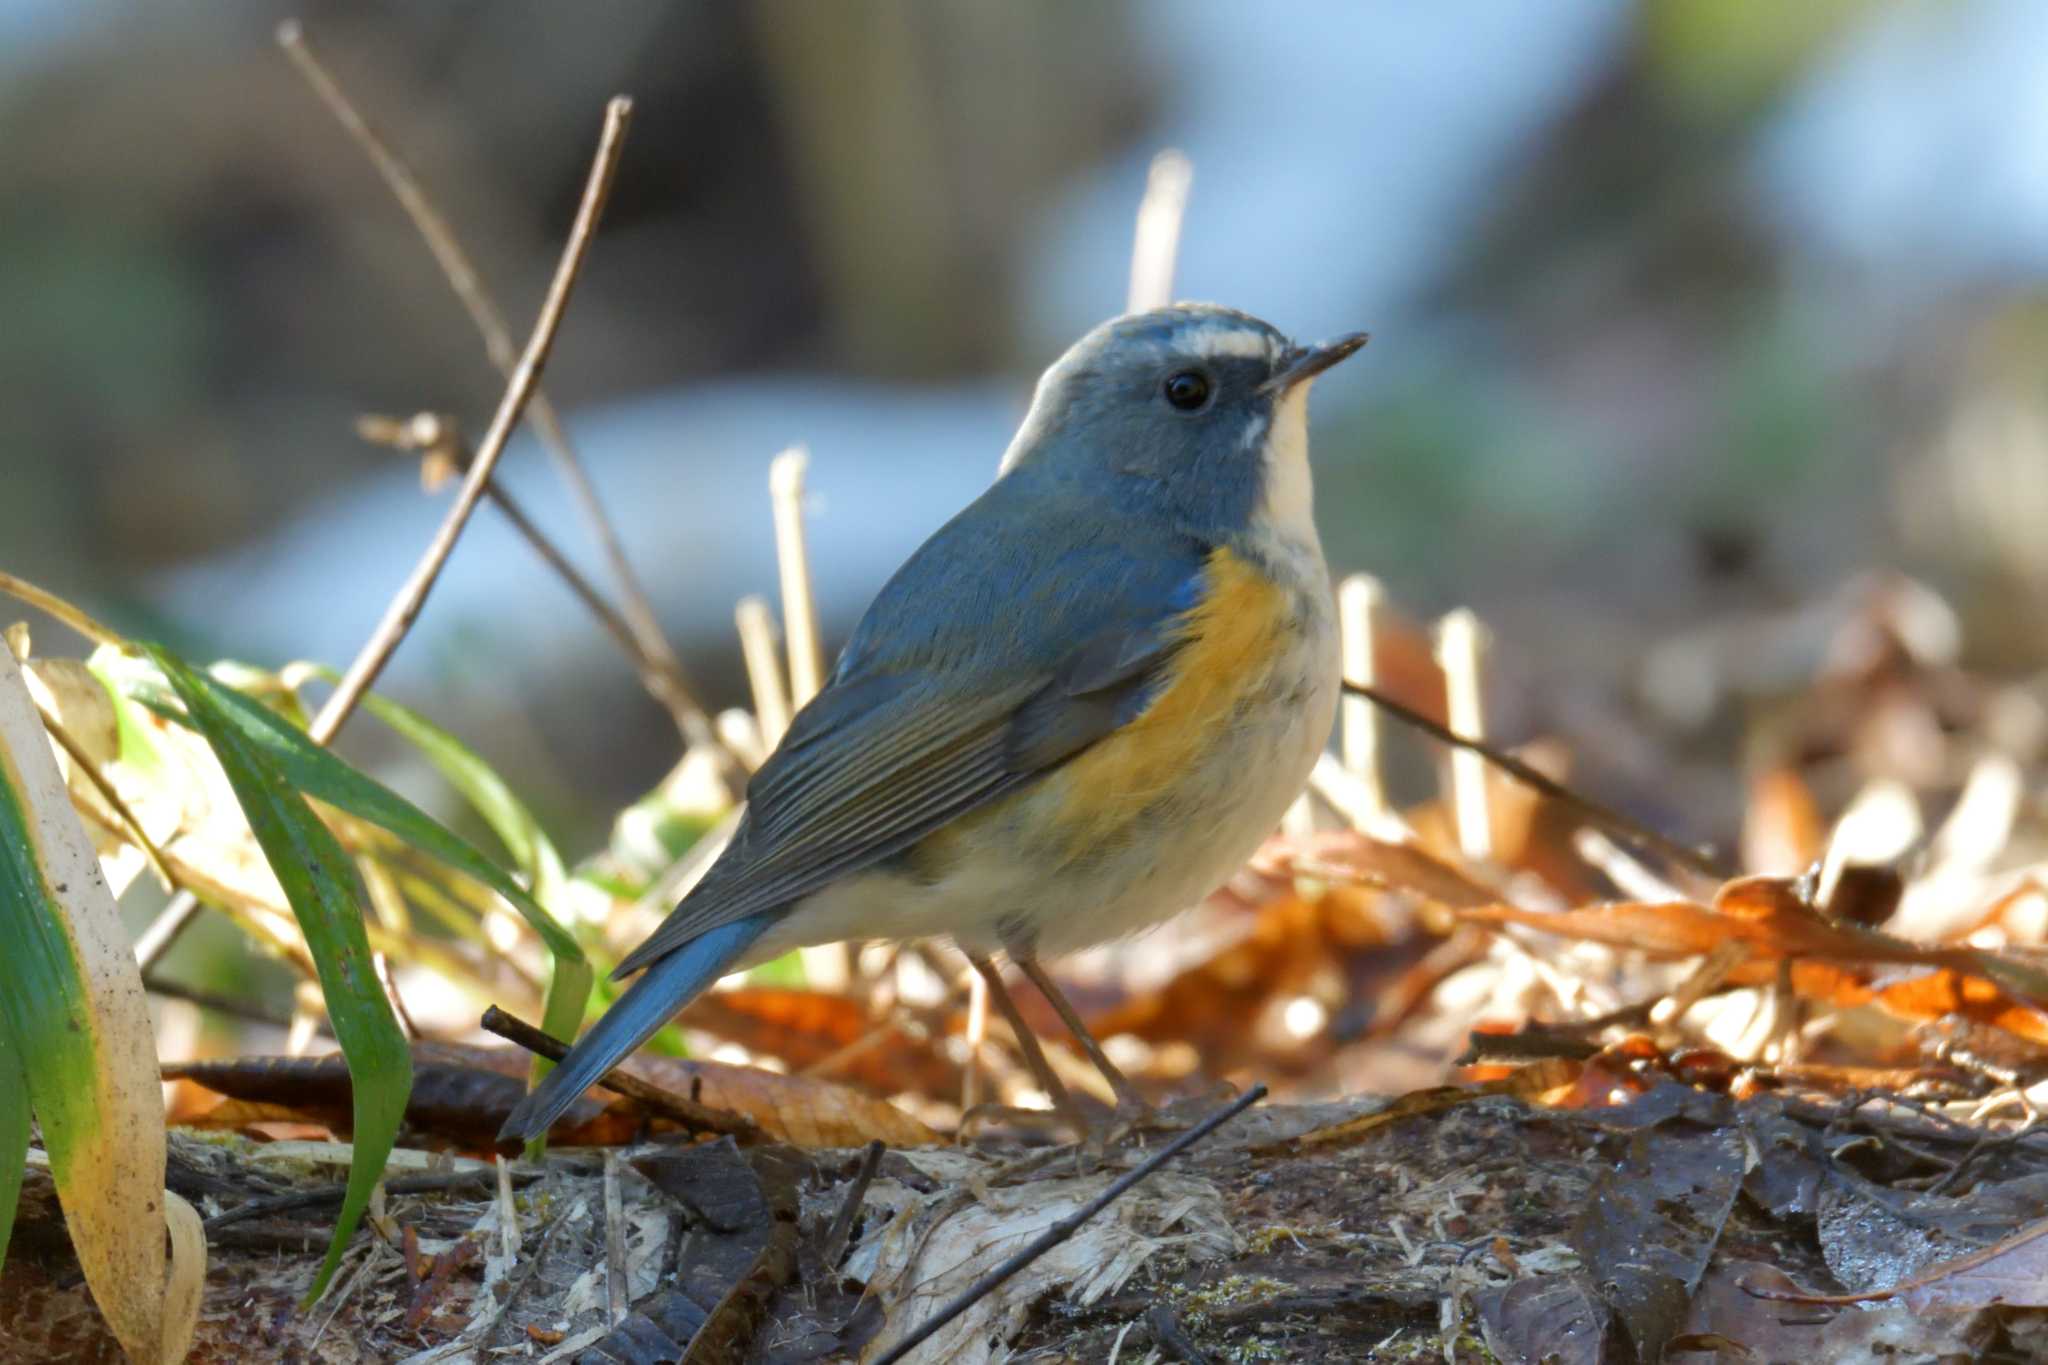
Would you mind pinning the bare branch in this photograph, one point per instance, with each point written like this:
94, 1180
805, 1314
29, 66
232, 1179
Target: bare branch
405, 607
698, 1117
89, 770
661, 671
437, 441
1630, 832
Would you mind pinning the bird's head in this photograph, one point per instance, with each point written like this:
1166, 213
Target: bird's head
1203, 406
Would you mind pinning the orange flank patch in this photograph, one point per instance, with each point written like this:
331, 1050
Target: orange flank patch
1229, 651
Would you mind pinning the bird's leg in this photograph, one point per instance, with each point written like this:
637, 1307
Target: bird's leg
1130, 1105
1027, 1043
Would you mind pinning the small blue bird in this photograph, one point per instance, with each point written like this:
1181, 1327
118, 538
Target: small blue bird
1075, 711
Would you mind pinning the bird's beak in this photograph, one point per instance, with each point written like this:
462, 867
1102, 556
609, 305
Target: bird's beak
1306, 362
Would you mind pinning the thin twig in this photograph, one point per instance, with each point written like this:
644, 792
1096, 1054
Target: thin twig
841, 1229
1171, 1337
319, 1196
1066, 1227
653, 647
246, 1010
501, 1313
437, 438
405, 607
385, 977
120, 808
1631, 832
700, 1117
162, 933
616, 1297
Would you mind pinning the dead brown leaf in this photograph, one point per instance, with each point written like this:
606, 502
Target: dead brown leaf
802, 1028
1376, 862
1525, 1082
2013, 1274
1767, 916
802, 1111
1340, 947
1782, 830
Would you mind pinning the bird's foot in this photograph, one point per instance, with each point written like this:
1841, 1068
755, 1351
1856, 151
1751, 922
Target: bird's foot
1135, 1118
1133, 1121
1044, 1124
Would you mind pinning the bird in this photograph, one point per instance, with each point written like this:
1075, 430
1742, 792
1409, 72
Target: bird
1073, 712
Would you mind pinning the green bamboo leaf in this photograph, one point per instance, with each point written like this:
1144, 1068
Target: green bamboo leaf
325, 895
569, 987
479, 784
75, 1041
13, 1132
320, 774
313, 770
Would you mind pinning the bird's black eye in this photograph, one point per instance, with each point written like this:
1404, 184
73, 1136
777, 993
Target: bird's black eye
1187, 390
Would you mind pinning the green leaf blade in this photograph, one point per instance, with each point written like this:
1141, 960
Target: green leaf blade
44, 1014
14, 1109
320, 774
488, 794
321, 885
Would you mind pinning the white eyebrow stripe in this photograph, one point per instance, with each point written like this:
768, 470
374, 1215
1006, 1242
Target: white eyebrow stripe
1222, 339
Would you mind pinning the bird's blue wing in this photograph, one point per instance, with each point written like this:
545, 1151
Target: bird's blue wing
1008, 644
869, 768
933, 713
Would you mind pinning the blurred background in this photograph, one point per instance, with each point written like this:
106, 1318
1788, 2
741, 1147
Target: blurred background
1687, 319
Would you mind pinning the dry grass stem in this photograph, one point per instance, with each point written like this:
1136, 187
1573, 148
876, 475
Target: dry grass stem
661, 670
792, 555
977, 1036
740, 733
756, 625
1358, 603
616, 1295
1155, 247
57, 609
309, 1018
1458, 651
83, 764
405, 607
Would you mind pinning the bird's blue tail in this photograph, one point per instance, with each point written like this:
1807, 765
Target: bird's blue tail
668, 984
